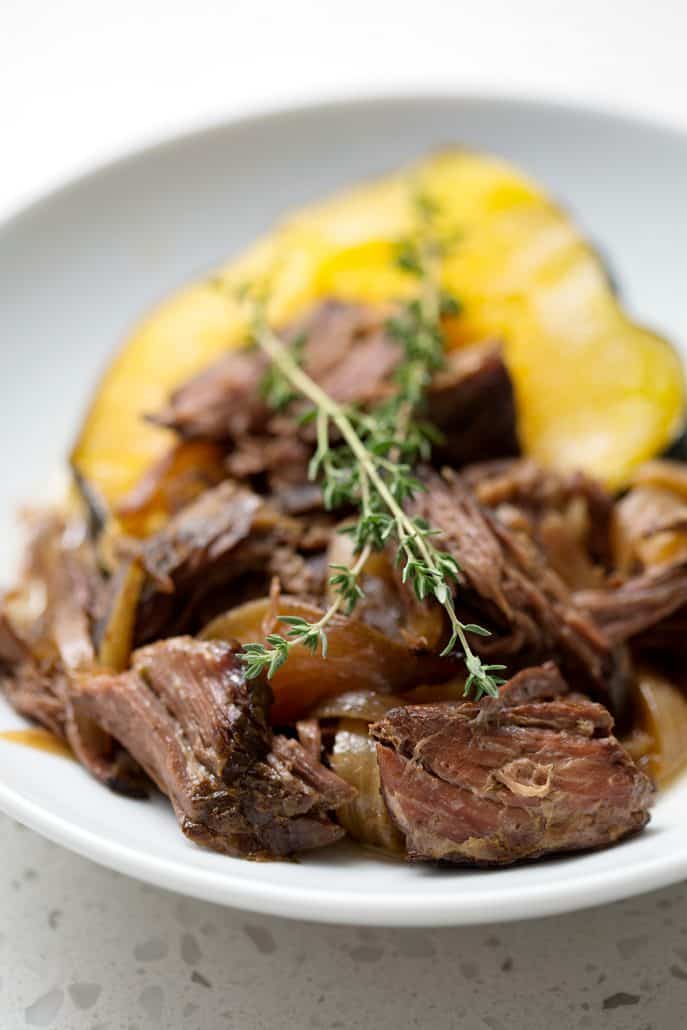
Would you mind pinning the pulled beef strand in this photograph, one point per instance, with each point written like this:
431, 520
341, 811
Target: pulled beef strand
640, 605
645, 602
186, 712
514, 778
568, 514
40, 656
506, 584
30, 686
227, 534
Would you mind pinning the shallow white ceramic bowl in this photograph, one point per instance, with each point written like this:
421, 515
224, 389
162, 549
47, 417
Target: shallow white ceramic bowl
79, 267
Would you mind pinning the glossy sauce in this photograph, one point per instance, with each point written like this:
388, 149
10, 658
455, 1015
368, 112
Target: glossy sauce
41, 740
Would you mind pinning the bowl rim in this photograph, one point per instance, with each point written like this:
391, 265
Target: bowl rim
312, 902
263, 114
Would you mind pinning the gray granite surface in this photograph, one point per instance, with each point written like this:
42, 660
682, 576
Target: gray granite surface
82, 948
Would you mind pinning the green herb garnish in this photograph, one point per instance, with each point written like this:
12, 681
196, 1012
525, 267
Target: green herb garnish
370, 465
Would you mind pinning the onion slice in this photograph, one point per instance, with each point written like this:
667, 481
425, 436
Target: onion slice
658, 740
359, 656
366, 818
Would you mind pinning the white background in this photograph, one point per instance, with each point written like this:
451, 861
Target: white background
81, 948
83, 79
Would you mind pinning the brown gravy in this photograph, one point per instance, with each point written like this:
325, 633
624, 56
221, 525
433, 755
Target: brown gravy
41, 740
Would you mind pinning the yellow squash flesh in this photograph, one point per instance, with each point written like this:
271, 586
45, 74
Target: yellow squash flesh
593, 390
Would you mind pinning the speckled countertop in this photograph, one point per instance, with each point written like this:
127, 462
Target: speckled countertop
82, 948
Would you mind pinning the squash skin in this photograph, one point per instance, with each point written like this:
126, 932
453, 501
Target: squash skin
594, 390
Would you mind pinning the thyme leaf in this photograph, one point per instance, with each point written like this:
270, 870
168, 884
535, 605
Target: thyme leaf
365, 459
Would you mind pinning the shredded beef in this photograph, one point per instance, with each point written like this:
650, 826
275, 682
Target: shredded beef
567, 513
41, 689
506, 584
540, 554
223, 402
640, 604
348, 351
471, 400
538, 683
38, 663
665, 641
186, 712
228, 533
531, 773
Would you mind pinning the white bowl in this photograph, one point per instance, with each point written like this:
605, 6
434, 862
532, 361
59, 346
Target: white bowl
79, 267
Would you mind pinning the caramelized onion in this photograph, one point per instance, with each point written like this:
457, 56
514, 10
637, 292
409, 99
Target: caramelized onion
354, 759
118, 630
366, 705
649, 528
650, 522
426, 693
359, 656
658, 740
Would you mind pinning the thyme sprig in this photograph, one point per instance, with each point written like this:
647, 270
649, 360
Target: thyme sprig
371, 467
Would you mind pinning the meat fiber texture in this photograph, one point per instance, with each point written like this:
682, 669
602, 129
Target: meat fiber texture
533, 772
186, 713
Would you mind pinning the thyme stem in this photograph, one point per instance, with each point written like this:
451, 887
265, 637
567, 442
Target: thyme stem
408, 534
372, 467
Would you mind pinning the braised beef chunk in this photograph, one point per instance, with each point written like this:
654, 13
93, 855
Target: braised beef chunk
206, 532
506, 585
568, 514
104, 757
229, 532
517, 779
202, 684
345, 348
222, 402
186, 712
471, 400
348, 351
288, 797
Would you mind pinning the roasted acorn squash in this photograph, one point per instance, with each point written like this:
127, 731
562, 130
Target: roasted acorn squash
594, 390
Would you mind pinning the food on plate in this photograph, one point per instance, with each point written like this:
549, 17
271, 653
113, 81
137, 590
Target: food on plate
186, 714
595, 391
373, 535
530, 772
